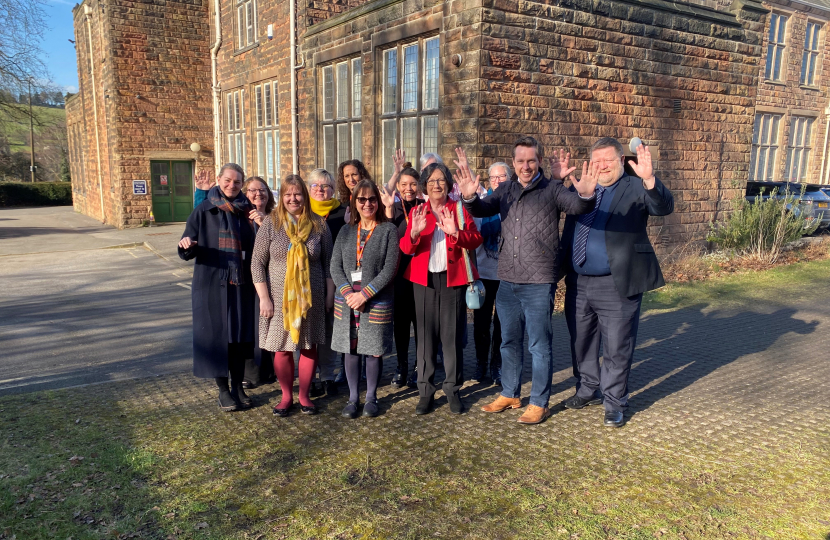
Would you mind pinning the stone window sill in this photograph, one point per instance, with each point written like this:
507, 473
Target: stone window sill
237, 52
776, 83
809, 87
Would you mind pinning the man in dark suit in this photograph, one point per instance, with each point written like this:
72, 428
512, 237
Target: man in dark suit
609, 263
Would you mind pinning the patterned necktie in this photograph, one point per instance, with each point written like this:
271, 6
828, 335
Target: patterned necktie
586, 220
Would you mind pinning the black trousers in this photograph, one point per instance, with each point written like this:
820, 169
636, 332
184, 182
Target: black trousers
487, 344
440, 313
595, 312
404, 317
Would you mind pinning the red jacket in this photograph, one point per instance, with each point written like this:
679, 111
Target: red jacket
469, 239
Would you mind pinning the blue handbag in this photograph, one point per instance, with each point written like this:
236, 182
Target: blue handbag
475, 290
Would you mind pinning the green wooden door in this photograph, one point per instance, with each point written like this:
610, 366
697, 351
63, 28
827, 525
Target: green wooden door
172, 189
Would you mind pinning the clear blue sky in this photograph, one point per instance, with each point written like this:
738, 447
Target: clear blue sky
59, 53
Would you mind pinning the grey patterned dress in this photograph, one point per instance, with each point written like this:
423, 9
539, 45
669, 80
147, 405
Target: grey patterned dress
268, 265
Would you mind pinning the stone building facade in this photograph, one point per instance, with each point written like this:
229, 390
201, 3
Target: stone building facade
430, 75
143, 100
792, 109
681, 76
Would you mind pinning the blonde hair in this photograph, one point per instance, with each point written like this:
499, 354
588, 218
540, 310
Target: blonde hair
280, 214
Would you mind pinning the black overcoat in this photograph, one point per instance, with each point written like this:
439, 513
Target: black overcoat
209, 289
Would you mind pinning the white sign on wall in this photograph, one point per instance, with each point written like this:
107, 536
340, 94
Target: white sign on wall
139, 187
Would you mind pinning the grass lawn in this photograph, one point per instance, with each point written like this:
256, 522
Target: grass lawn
154, 458
17, 130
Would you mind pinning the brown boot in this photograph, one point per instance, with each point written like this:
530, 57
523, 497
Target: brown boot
502, 403
534, 415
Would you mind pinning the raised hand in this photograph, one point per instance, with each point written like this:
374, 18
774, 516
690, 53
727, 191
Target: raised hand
256, 216
559, 165
461, 162
447, 222
187, 243
419, 221
644, 168
399, 158
203, 180
387, 196
466, 183
586, 185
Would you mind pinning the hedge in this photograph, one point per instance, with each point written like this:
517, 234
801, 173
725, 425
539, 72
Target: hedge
37, 194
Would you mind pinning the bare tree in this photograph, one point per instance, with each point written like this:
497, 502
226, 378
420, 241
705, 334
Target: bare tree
23, 23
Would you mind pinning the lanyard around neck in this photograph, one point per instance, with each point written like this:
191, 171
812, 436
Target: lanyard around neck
361, 248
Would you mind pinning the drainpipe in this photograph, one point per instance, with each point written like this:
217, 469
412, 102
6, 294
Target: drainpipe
88, 13
822, 179
292, 21
217, 91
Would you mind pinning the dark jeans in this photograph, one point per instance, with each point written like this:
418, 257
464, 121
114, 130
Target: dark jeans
595, 312
440, 314
520, 307
404, 313
485, 345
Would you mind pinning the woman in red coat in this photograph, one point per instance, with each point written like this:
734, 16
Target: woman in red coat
440, 272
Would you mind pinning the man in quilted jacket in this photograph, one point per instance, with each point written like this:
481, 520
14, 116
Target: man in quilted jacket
529, 205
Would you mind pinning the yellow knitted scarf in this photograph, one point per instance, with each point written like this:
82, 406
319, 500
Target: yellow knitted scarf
324, 208
296, 296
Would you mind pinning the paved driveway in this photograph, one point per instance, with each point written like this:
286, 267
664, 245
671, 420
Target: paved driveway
73, 312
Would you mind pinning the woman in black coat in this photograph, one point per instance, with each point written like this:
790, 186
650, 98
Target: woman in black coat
220, 236
404, 309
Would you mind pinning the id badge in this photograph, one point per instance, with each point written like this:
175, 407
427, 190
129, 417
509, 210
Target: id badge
357, 275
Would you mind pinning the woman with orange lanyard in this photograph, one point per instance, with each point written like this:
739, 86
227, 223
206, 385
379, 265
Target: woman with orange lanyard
407, 184
363, 265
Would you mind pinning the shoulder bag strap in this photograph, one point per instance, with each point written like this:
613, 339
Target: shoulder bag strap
459, 212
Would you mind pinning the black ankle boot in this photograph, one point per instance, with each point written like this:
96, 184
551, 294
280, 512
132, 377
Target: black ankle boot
238, 394
226, 401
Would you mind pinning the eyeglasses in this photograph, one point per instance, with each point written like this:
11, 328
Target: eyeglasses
499, 177
260, 191
436, 182
321, 186
370, 200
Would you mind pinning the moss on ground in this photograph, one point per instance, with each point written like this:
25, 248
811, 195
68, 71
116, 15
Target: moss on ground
155, 459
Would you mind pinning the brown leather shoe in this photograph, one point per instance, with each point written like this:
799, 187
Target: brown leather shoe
503, 403
534, 415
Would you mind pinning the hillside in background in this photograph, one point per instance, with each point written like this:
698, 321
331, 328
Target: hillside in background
50, 145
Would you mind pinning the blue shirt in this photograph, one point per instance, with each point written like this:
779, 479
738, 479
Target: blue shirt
596, 261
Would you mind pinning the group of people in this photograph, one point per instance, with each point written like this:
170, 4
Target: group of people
337, 270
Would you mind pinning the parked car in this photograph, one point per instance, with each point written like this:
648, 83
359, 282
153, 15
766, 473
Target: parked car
811, 200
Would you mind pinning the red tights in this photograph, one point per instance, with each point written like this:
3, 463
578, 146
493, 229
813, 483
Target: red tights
284, 368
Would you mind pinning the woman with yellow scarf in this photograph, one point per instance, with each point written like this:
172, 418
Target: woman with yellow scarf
321, 188
290, 269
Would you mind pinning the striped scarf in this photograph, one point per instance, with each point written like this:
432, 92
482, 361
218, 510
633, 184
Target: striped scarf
230, 242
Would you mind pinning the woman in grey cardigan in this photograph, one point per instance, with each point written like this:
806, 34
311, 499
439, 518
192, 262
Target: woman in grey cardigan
363, 266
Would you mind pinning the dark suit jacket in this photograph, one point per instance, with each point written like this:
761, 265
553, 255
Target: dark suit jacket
631, 256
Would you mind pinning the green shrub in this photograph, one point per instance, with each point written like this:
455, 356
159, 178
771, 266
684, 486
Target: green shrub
760, 228
37, 194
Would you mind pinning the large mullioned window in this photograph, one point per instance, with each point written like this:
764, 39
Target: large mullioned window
409, 101
235, 106
267, 130
342, 106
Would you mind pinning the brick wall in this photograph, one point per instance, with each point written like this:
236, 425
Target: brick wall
152, 90
788, 97
570, 72
320, 10
579, 70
